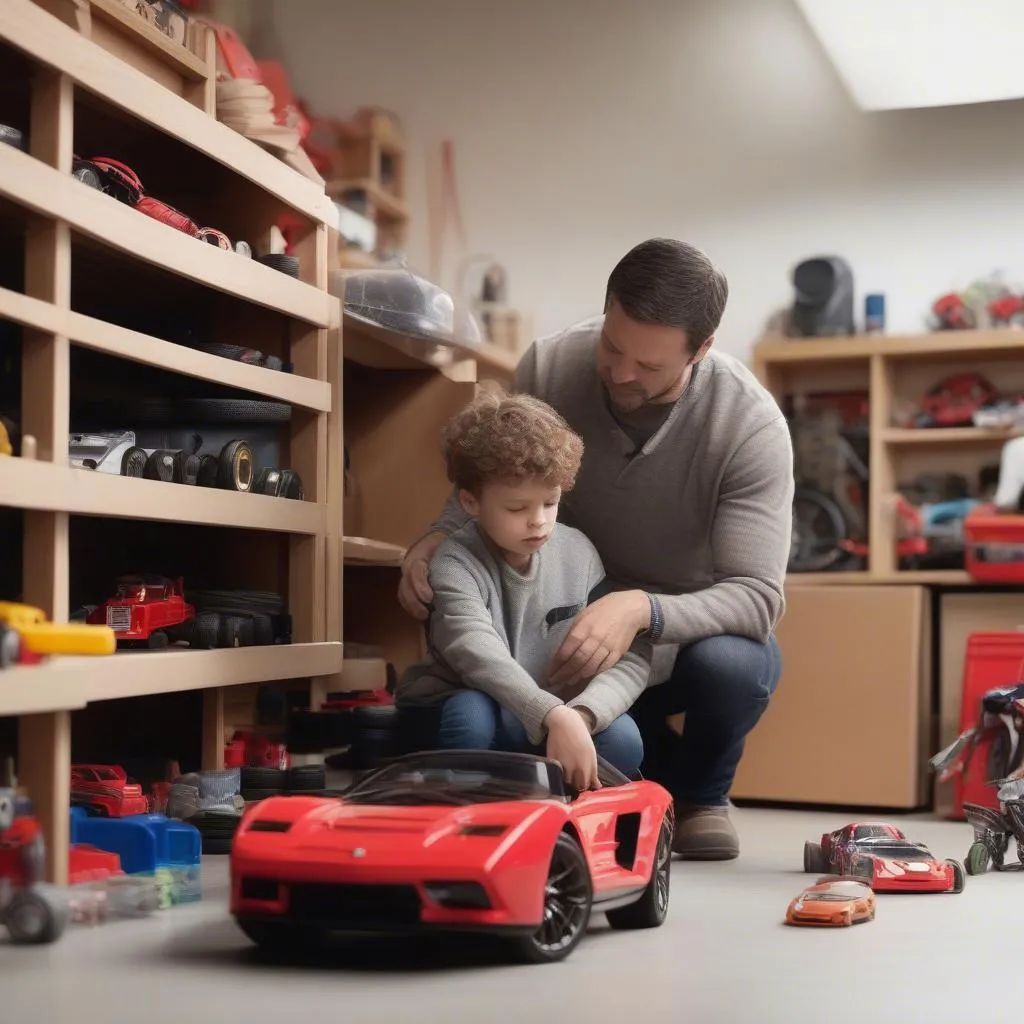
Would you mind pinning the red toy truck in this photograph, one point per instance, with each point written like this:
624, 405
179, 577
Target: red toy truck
104, 790
143, 609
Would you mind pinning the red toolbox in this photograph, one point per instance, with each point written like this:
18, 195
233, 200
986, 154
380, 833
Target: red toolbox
994, 545
993, 660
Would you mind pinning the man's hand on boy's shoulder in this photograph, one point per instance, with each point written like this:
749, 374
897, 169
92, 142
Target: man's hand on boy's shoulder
414, 591
599, 637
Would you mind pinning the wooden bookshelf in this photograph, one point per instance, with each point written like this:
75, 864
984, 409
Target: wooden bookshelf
74, 81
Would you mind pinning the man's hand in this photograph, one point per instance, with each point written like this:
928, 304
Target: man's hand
600, 636
414, 593
571, 745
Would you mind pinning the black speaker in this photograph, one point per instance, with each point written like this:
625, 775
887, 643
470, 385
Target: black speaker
823, 305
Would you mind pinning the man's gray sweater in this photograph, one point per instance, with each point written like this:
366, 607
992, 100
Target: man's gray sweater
700, 514
496, 630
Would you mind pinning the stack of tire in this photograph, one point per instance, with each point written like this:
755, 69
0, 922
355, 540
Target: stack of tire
210, 802
260, 783
357, 738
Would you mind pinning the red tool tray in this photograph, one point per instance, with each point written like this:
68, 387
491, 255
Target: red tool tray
994, 545
993, 660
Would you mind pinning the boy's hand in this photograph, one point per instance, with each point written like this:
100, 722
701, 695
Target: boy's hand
600, 636
571, 745
414, 593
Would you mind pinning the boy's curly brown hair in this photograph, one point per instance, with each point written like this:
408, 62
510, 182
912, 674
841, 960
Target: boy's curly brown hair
510, 438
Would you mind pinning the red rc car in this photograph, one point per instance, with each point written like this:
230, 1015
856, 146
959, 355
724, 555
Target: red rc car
881, 855
143, 609
104, 790
463, 840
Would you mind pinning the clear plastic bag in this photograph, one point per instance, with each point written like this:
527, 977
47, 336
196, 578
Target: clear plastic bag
398, 300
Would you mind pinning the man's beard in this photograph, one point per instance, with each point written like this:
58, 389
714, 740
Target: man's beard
634, 397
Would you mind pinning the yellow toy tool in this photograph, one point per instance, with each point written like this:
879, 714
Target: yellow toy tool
42, 637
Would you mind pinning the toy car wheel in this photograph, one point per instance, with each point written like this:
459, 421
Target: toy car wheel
158, 640
958, 875
651, 909
568, 895
978, 859
815, 861
36, 916
236, 466
133, 462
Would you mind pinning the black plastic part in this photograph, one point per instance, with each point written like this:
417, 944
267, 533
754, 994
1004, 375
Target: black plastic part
133, 462
161, 466
237, 467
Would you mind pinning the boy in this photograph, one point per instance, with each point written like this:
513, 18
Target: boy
507, 587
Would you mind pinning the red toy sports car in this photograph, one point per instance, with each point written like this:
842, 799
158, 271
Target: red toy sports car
462, 840
882, 856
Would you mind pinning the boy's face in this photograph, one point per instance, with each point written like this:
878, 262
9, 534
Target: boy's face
518, 517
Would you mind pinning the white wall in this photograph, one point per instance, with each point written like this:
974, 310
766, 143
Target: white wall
583, 126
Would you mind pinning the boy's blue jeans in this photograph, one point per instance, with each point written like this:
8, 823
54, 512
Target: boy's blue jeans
470, 720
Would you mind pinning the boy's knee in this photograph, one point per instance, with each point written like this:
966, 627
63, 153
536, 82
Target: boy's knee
622, 746
469, 721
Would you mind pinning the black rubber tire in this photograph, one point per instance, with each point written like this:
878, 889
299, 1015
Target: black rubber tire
833, 554
237, 468
651, 909
978, 859
209, 469
267, 482
959, 878
252, 796
569, 864
305, 778
10, 648
188, 468
158, 640
133, 462
36, 916
375, 716
11, 136
205, 631
236, 631
161, 465
272, 780
815, 861
282, 262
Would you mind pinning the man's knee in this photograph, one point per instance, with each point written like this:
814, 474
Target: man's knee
730, 668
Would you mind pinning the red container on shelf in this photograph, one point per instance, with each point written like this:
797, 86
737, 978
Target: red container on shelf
993, 660
994, 545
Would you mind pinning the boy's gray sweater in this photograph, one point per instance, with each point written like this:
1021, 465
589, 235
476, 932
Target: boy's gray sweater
700, 515
495, 630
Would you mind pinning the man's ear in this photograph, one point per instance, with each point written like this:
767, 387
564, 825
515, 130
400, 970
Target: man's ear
469, 503
704, 349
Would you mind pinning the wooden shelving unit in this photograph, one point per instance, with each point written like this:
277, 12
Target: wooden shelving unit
896, 369
71, 93
399, 393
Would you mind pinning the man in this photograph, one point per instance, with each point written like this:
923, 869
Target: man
686, 491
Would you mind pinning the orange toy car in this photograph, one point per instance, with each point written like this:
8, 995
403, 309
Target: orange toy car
835, 901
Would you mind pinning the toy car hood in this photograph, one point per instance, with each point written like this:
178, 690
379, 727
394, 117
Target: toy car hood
385, 835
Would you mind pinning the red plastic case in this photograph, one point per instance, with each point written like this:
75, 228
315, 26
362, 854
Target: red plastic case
994, 545
993, 660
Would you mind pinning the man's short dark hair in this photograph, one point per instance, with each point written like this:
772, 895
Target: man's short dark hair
673, 284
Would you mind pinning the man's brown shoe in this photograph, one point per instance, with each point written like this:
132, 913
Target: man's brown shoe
705, 833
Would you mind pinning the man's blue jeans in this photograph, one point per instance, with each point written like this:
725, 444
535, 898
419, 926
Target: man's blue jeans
723, 684
470, 720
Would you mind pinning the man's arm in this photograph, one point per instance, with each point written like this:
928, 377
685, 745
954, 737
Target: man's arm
463, 637
750, 543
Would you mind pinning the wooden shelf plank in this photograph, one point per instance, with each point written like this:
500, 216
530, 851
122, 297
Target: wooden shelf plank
385, 204
180, 57
934, 577
51, 43
142, 348
804, 579
363, 551
969, 344
949, 435
72, 682
46, 191
28, 484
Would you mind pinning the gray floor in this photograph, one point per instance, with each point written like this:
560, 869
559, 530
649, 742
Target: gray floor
723, 957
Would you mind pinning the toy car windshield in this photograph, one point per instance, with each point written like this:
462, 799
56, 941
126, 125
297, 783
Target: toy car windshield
460, 777
136, 587
898, 851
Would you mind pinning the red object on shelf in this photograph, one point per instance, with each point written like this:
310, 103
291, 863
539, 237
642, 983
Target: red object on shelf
994, 545
246, 750
356, 699
90, 864
993, 660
